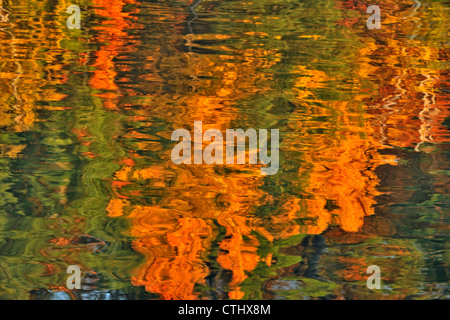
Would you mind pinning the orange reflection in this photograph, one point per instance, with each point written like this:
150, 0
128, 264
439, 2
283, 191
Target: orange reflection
112, 33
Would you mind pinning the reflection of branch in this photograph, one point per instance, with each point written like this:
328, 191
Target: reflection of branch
414, 8
8, 276
3, 17
426, 115
190, 35
417, 5
428, 112
388, 106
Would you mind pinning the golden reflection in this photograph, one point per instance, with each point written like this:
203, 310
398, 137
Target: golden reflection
175, 235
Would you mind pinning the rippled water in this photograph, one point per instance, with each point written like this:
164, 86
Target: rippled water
86, 118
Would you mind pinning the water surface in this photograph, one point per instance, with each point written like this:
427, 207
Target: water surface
86, 118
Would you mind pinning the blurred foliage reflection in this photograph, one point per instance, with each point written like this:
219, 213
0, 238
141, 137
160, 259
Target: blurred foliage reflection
86, 118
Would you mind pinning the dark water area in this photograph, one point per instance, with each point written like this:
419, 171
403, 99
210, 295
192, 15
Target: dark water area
87, 179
